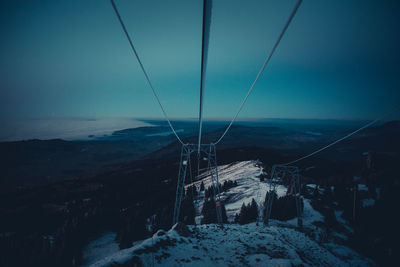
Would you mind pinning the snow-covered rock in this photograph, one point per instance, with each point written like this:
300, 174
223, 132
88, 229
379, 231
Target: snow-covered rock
236, 245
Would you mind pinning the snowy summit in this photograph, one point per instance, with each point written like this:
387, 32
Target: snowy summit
254, 244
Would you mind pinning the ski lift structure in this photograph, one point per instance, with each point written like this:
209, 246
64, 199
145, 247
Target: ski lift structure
211, 158
208, 149
280, 172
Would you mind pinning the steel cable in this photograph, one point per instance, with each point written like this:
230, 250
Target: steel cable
144, 71
343, 138
262, 69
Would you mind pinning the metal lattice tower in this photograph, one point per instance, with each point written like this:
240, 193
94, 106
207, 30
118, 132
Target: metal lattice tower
211, 157
280, 172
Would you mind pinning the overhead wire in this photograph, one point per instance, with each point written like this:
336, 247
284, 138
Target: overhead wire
205, 37
262, 69
205, 42
144, 71
207, 5
344, 137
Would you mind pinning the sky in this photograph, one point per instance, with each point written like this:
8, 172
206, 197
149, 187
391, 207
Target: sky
338, 59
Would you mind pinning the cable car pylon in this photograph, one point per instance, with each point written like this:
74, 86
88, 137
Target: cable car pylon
210, 153
280, 172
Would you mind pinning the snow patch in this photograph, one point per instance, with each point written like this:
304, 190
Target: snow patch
105, 245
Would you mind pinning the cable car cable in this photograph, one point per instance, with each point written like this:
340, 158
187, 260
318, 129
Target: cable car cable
262, 69
144, 71
343, 138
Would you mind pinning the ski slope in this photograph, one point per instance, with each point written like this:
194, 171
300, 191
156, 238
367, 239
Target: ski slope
279, 244
246, 174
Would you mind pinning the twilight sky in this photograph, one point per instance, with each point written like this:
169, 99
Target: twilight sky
338, 59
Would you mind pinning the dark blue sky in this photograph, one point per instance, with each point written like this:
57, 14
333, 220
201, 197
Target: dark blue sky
338, 59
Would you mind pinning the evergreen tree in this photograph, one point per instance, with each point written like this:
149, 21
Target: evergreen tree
202, 186
283, 208
236, 219
253, 211
191, 191
248, 213
225, 186
274, 207
228, 184
262, 177
209, 212
188, 211
195, 192
223, 211
134, 228
219, 188
209, 193
163, 218
243, 214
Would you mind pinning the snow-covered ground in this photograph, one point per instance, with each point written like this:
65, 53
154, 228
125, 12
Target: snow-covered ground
279, 244
309, 216
105, 245
236, 245
246, 174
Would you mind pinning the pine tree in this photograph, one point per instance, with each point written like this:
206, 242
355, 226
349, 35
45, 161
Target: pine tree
188, 211
208, 192
225, 186
228, 184
243, 214
236, 220
163, 218
133, 228
283, 208
253, 211
223, 211
195, 192
209, 212
274, 207
202, 186
219, 188
192, 190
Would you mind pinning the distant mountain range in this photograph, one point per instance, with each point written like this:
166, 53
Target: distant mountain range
41, 161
